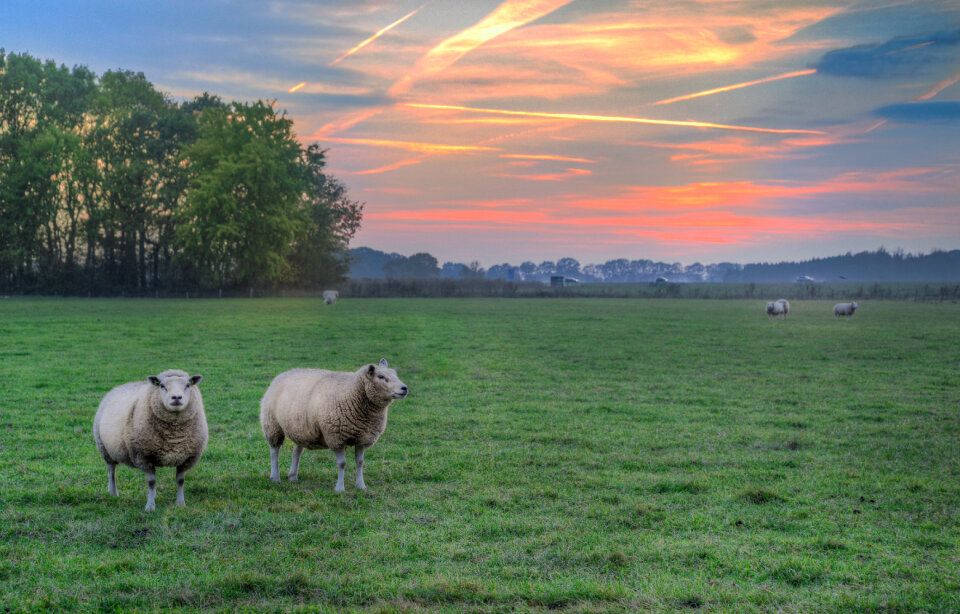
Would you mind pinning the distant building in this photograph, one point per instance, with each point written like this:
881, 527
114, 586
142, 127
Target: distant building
559, 281
661, 280
804, 279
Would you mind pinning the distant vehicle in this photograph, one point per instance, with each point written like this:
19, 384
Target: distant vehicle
804, 279
661, 280
559, 281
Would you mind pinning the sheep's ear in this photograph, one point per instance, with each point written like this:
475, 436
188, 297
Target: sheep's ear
154, 380
383, 362
371, 369
194, 380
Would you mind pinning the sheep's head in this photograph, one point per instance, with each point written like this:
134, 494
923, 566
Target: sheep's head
175, 388
854, 305
382, 383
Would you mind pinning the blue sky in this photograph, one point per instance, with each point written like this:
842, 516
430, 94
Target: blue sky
691, 130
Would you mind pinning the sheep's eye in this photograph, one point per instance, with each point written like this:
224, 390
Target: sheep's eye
381, 377
162, 387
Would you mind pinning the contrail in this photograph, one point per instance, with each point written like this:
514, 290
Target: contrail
378, 34
736, 86
296, 87
432, 148
511, 14
939, 87
613, 118
547, 157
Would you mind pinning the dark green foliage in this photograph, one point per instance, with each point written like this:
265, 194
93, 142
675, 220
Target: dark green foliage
108, 186
575, 455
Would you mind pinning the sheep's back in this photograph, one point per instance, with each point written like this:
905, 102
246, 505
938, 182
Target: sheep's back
113, 417
303, 401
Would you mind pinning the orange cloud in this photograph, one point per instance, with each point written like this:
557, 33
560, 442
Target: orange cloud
377, 35
296, 87
938, 87
547, 157
613, 118
389, 167
569, 174
343, 123
429, 148
509, 15
736, 86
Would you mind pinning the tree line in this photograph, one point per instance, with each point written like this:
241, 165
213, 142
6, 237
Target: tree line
108, 185
879, 265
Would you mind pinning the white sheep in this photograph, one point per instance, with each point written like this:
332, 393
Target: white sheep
776, 308
158, 422
330, 297
328, 409
844, 309
786, 306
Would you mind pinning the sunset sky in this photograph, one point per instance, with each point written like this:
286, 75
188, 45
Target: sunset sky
504, 131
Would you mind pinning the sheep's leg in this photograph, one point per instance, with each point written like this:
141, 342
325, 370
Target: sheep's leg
275, 464
151, 490
341, 455
180, 474
112, 479
359, 456
295, 463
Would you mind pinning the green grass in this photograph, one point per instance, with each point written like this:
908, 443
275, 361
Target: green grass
585, 455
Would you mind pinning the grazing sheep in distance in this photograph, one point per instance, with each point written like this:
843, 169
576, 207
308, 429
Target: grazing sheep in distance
330, 297
158, 422
844, 309
328, 409
776, 308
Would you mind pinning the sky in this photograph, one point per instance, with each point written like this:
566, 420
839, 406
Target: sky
512, 130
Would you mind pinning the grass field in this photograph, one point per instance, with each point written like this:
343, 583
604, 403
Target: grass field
581, 455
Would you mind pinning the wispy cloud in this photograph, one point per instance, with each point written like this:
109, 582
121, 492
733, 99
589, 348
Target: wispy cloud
377, 35
509, 15
614, 118
547, 157
429, 148
727, 88
570, 173
938, 87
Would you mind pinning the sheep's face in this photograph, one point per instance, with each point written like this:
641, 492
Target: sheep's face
175, 390
382, 382
854, 305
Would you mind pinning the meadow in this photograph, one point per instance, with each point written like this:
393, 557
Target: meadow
580, 455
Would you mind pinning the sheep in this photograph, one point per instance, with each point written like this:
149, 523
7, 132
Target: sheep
328, 409
330, 297
786, 306
158, 422
844, 309
775, 308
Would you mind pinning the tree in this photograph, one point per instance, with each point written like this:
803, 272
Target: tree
332, 219
243, 212
472, 271
420, 265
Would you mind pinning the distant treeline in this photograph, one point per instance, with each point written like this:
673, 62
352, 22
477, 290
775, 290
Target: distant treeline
499, 288
107, 186
867, 266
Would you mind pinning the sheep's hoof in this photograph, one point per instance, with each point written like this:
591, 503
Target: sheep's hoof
338, 489
275, 479
292, 478
149, 508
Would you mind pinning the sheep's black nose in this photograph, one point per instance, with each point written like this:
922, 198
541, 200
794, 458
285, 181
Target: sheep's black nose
403, 388
176, 397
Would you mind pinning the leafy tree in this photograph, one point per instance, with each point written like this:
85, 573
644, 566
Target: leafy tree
332, 220
243, 211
